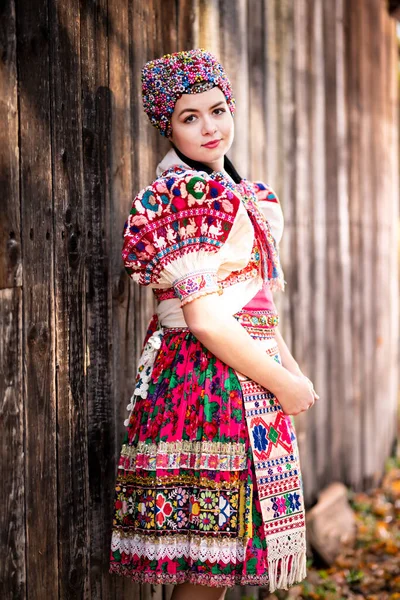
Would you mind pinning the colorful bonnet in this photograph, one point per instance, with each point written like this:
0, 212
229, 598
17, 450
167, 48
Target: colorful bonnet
165, 79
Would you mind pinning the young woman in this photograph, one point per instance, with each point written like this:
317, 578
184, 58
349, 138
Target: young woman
209, 489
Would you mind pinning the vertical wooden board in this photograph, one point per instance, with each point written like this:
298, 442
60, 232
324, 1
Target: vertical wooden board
333, 265
209, 26
96, 144
12, 520
73, 356
319, 417
12, 491
379, 269
233, 56
121, 192
166, 25
302, 231
367, 249
258, 141
343, 300
272, 53
10, 240
38, 337
276, 52
279, 30
352, 30
391, 119
384, 233
188, 26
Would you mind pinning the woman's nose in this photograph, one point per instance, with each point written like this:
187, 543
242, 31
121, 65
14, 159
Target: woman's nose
209, 126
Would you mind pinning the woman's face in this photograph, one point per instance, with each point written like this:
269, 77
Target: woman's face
199, 119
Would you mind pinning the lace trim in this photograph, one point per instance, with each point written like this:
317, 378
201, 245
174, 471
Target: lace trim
217, 550
145, 369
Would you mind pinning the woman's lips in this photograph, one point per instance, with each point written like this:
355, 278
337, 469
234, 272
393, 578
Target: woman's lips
213, 144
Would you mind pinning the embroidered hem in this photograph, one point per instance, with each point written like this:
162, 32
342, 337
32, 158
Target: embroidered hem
208, 579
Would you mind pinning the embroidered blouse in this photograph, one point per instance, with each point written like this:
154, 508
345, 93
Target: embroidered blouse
193, 232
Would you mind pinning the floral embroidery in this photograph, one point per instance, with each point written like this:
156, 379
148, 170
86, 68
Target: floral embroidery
207, 499
207, 521
260, 438
196, 284
163, 509
177, 214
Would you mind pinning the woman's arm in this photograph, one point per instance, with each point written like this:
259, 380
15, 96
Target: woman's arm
287, 359
222, 335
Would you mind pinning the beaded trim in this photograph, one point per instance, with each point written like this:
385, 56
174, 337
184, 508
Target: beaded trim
259, 318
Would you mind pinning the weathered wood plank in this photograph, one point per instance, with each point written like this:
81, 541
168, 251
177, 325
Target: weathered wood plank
390, 119
354, 467
318, 418
303, 242
233, 55
72, 353
12, 464
121, 190
257, 97
334, 267
209, 26
38, 358
10, 240
378, 271
343, 290
280, 132
188, 16
96, 146
367, 250
12, 491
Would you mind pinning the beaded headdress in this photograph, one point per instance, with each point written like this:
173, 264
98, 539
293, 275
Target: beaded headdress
165, 79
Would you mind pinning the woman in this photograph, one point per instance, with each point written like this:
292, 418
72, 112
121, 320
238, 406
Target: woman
209, 490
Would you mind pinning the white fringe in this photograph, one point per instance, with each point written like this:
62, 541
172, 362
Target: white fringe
287, 578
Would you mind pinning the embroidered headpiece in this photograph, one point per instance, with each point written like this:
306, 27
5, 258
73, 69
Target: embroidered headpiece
165, 79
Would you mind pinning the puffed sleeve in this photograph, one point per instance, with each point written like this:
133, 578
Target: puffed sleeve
271, 207
186, 231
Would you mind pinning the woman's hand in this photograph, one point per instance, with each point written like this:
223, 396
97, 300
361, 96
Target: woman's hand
298, 396
316, 397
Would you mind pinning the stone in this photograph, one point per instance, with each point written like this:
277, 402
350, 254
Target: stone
331, 524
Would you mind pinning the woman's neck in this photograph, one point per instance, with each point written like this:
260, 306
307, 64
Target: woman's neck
199, 166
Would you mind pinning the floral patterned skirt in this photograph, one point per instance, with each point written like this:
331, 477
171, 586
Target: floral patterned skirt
186, 501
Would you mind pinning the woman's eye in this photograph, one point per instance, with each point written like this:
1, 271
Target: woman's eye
215, 110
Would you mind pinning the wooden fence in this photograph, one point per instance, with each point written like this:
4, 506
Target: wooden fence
317, 118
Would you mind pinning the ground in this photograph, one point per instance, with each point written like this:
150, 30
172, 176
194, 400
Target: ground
371, 569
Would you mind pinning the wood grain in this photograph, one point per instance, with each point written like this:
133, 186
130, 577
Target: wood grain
316, 87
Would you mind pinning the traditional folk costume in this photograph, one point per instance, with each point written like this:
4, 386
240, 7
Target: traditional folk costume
209, 487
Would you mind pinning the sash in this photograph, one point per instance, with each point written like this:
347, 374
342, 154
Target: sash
279, 483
